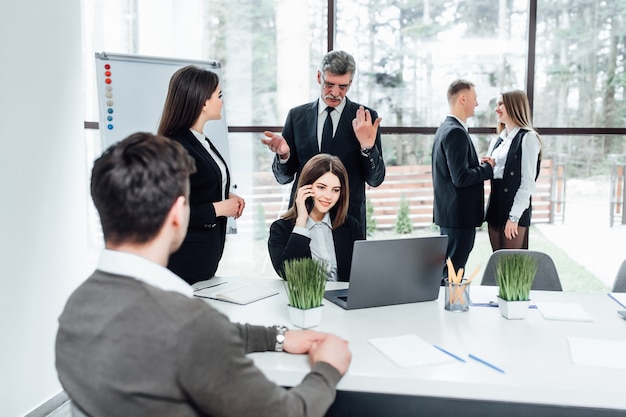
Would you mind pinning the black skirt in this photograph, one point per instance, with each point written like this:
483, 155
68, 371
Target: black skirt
500, 204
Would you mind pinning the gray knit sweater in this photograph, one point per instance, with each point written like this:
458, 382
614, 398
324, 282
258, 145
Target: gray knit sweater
125, 348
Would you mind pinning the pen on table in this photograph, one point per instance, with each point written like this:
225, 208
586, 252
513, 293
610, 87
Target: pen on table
489, 304
484, 362
210, 286
495, 304
449, 353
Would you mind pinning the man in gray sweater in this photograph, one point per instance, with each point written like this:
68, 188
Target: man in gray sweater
132, 340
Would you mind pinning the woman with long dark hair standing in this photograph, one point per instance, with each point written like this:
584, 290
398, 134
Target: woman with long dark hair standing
517, 154
193, 98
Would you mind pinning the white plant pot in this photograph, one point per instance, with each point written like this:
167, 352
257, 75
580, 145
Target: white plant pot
305, 318
513, 310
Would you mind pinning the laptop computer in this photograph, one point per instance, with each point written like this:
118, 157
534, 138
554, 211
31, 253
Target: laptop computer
393, 271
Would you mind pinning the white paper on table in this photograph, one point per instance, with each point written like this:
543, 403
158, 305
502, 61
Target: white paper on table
484, 295
597, 352
562, 311
410, 350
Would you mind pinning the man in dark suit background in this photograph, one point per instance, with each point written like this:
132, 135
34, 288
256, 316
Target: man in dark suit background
353, 135
458, 176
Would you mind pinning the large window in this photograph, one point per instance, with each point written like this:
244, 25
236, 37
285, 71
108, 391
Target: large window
409, 51
568, 55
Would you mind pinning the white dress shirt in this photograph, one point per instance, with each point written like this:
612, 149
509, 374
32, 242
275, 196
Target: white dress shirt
322, 244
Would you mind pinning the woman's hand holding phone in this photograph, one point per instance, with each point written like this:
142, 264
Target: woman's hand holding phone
304, 204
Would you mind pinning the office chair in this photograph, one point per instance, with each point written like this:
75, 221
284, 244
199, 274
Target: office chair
547, 277
619, 285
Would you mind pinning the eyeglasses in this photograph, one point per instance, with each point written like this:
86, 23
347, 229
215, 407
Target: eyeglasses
330, 86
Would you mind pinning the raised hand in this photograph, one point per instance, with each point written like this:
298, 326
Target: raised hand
364, 129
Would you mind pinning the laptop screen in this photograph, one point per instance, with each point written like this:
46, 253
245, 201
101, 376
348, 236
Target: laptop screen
394, 271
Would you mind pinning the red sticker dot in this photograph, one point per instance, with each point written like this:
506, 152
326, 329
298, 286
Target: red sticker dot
107, 73
107, 66
107, 80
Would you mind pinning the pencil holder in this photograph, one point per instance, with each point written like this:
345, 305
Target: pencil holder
457, 295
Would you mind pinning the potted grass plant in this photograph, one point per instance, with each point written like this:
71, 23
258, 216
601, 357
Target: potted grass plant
515, 274
305, 283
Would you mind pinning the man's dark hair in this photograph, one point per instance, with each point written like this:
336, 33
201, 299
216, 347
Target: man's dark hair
457, 86
134, 184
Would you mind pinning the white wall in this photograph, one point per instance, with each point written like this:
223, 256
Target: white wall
43, 191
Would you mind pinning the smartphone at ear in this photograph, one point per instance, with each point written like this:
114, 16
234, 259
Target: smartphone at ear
309, 204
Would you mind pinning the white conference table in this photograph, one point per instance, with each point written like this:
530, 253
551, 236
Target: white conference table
533, 352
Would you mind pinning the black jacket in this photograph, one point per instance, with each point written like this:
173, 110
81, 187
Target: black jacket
199, 255
284, 245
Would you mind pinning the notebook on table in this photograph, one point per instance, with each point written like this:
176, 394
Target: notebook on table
236, 292
393, 271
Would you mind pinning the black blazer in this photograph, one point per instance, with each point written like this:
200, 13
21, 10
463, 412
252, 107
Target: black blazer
300, 132
458, 178
284, 245
199, 255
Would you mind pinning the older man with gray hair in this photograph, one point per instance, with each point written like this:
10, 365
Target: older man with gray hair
335, 125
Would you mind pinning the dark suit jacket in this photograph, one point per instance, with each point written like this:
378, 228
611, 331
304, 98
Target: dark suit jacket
458, 178
300, 132
284, 245
199, 255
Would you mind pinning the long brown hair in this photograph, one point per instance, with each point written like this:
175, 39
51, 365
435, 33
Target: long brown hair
518, 109
317, 166
189, 89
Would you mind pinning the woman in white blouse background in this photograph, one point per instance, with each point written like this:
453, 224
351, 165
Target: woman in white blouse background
517, 154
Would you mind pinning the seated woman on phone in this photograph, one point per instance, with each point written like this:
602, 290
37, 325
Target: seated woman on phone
317, 224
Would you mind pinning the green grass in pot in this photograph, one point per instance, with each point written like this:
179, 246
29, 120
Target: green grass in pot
306, 282
515, 274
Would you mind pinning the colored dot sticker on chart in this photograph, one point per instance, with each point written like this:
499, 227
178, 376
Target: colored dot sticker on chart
108, 80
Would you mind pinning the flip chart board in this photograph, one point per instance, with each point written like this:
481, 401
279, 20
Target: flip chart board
131, 94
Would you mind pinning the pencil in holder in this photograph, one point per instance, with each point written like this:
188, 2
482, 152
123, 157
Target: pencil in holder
457, 295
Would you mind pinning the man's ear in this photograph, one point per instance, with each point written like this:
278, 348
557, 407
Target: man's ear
179, 212
319, 77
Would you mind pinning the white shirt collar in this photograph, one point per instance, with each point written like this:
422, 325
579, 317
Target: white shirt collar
141, 269
325, 220
506, 135
321, 106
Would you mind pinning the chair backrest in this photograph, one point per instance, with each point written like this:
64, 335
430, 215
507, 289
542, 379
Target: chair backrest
547, 277
619, 285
